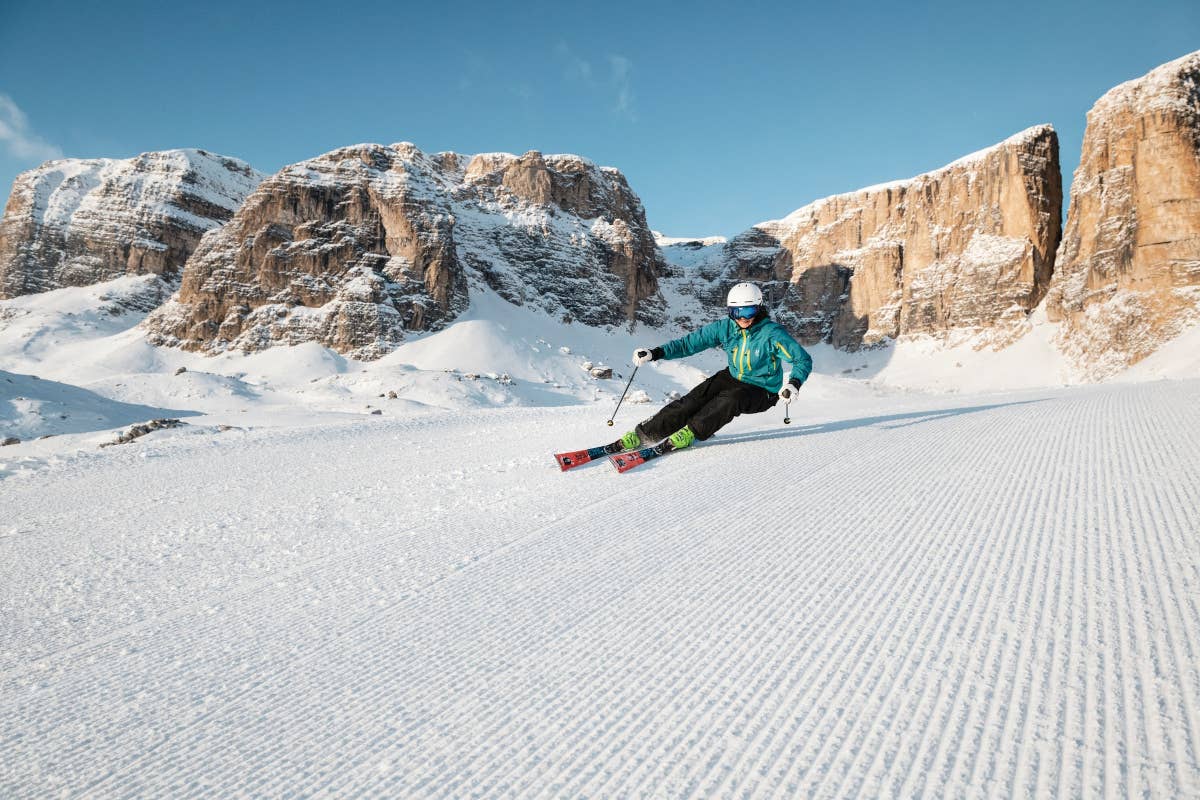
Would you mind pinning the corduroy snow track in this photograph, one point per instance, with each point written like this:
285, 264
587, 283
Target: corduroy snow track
978, 596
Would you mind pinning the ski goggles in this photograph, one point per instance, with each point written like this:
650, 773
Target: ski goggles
743, 312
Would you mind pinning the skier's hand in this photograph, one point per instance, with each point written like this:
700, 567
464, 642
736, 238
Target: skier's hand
642, 355
788, 393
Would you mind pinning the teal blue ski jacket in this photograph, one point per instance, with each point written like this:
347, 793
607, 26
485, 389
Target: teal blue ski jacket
756, 355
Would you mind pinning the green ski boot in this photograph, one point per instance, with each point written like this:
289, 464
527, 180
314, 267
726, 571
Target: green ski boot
681, 438
631, 441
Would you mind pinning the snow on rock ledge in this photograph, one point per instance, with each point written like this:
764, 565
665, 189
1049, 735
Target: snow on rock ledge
76, 222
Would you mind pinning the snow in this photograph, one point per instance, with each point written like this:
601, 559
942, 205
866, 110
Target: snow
985, 590
554, 160
961, 361
39, 407
662, 240
64, 188
1017, 139
988, 250
1168, 88
1179, 356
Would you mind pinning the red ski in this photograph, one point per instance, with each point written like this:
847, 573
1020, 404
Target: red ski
577, 458
623, 462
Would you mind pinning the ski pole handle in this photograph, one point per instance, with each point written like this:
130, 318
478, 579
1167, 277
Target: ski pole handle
622, 400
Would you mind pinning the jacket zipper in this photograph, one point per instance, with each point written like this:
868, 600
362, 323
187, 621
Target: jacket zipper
745, 356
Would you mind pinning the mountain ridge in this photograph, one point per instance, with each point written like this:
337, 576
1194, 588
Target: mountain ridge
368, 244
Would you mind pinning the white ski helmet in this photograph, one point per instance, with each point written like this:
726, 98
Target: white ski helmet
744, 294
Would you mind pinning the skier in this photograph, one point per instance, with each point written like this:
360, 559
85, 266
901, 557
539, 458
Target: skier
753, 382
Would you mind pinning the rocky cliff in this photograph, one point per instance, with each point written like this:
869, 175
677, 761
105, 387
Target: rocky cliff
967, 248
76, 222
356, 247
1128, 270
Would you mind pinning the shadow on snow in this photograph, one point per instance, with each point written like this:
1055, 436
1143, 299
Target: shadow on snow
888, 422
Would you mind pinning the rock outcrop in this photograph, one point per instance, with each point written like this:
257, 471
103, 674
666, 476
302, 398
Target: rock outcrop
356, 247
1128, 271
967, 248
77, 222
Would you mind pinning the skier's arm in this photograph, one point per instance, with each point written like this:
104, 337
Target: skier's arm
694, 342
790, 350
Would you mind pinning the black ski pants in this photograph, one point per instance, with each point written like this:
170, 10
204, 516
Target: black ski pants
708, 407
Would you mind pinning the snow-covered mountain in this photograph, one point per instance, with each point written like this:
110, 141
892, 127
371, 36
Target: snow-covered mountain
363, 246
494, 354
75, 222
369, 247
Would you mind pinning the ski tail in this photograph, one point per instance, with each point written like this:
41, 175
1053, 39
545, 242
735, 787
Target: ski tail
577, 458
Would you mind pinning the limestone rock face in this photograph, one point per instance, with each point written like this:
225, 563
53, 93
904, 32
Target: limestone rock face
77, 222
1128, 270
575, 239
967, 248
356, 247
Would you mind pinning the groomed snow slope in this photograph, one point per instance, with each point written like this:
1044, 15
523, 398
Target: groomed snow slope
962, 596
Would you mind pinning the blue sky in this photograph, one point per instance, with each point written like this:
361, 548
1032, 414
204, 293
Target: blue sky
719, 114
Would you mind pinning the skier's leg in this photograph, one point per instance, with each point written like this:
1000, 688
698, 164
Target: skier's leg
674, 415
732, 401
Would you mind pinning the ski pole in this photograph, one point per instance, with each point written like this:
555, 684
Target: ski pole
622, 400
786, 419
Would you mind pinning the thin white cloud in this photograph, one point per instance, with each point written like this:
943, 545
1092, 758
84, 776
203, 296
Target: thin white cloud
622, 83
576, 68
17, 138
617, 83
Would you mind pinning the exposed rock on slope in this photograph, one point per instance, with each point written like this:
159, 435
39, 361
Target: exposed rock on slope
355, 247
77, 222
1128, 271
968, 247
